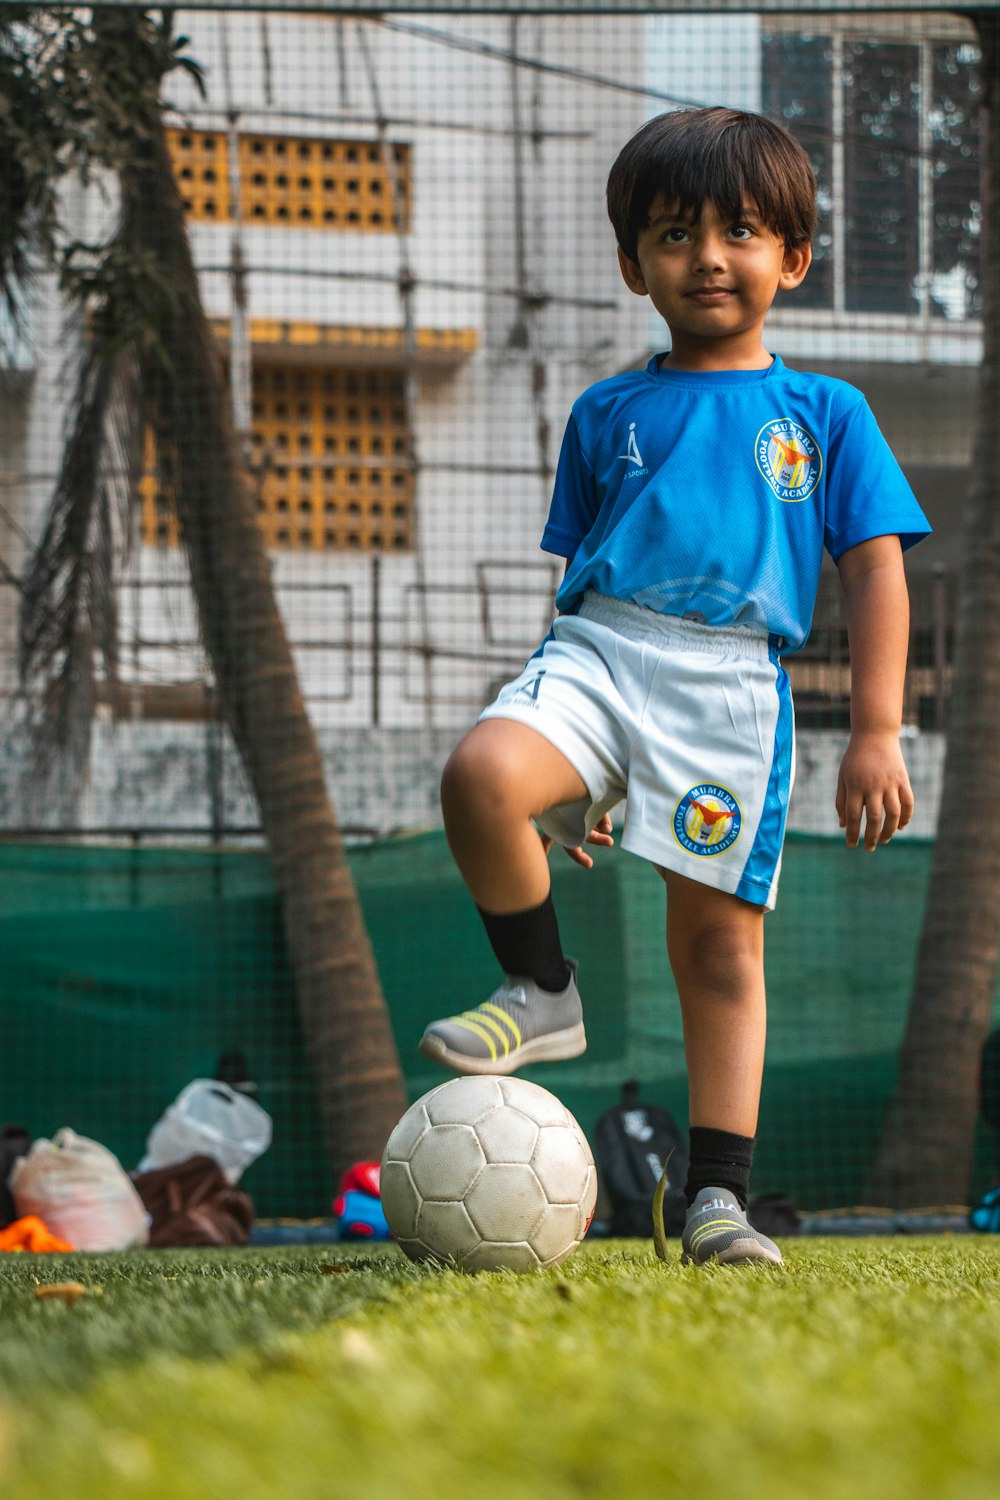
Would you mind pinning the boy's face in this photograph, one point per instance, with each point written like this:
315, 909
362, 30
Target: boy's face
711, 279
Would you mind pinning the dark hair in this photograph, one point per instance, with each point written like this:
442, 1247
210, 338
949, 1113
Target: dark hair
725, 155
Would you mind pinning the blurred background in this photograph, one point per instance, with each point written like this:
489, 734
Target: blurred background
401, 252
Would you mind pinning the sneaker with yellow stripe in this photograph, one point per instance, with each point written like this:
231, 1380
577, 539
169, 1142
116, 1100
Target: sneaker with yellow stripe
717, 1229
520, 1023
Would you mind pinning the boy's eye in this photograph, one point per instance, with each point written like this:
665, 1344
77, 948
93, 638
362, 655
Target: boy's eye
675, 236
741, 231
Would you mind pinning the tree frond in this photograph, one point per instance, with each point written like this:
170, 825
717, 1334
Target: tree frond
16, 216
68, 619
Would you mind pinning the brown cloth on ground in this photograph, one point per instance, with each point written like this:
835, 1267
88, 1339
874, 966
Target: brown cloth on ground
191, 1203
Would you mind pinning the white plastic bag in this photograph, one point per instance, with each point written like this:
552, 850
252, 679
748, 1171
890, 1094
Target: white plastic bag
208, 1118
82, 1192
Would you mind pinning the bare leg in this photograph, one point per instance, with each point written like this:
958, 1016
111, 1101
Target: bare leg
499, 777
716, 946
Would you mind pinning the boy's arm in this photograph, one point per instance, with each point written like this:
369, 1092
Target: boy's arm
873, 776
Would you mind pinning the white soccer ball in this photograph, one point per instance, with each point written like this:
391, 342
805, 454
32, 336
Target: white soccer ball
488, 1173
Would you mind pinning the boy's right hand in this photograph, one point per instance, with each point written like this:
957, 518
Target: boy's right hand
599, 834
873, 781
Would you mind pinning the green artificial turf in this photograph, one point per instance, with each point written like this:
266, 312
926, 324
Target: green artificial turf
860, 1368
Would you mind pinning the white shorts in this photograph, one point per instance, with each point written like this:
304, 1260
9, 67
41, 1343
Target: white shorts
690, 724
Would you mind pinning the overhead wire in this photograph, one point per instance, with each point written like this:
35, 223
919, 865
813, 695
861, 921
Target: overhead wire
491, 50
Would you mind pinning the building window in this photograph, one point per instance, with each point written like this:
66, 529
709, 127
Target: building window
892, 128
293, 182
332, 452
331, 462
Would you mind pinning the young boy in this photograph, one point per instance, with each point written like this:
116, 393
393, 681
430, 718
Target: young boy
692, 502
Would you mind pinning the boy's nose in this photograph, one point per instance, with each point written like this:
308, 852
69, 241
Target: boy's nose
709, 254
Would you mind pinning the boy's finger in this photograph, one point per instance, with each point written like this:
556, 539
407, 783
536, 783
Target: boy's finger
873, 821
852, 819
840, 801
906, 804
893, 813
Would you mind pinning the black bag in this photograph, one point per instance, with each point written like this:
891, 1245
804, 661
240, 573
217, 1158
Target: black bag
632, 1145
774, 1214
15, 1142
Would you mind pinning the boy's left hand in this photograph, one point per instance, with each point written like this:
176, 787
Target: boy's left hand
873, 780
600, 834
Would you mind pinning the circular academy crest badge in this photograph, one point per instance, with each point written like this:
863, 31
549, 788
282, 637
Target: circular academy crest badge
707, 819
789, 458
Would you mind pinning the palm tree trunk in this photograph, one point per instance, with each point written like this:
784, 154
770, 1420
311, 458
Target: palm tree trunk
348, 1036
925, 1156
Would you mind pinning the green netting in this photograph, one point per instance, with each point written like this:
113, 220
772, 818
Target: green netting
403, 275
125, 973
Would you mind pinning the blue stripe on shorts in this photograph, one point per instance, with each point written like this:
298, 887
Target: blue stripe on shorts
758, 872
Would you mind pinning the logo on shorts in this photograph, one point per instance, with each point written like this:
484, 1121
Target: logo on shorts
789, 458
531, 688
707, 819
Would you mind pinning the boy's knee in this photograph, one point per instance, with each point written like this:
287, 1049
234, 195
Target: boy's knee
456, 772
478, 776
722, 953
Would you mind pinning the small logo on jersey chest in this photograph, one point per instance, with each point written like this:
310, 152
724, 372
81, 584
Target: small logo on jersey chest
707, 819
632, 458
788, 456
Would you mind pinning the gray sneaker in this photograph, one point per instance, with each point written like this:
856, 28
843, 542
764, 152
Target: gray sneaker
717, 1229
519, 1024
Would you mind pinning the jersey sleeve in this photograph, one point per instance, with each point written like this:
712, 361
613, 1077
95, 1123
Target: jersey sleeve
867, 493
575, 502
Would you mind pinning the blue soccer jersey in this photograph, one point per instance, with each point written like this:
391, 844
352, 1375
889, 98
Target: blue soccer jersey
712, 495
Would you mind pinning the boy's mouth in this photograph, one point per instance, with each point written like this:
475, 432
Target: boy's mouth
709, 294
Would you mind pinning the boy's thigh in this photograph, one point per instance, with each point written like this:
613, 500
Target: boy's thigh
711, 772
699, 917
574, 693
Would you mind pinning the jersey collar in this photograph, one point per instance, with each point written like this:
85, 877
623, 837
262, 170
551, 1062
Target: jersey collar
663, 372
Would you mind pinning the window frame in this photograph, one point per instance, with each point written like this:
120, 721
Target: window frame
957, 340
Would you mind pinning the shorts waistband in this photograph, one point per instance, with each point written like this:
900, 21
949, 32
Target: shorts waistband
671, 632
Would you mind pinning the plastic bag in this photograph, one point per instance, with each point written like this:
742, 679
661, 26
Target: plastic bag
208, 1118
81, 1191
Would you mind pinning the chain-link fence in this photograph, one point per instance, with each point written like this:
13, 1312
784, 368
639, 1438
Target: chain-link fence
402, 251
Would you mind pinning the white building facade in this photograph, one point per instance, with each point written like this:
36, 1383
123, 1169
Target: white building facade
401, 239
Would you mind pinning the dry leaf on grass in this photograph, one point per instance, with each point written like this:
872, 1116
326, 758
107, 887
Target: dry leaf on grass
67, 1291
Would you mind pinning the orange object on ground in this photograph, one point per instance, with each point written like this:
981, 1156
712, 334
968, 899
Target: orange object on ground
31, 1234
67, 1291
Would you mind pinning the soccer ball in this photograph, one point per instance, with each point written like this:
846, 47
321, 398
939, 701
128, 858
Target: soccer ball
488, 1173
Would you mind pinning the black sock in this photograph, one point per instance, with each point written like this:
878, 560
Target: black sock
527, 944
719, 1159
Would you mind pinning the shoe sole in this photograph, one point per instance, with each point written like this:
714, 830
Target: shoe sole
555, 1046
739, 1253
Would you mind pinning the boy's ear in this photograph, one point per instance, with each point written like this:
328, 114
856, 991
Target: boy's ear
631, 274
794, 266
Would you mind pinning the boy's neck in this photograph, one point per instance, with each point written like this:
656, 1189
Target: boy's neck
706, 355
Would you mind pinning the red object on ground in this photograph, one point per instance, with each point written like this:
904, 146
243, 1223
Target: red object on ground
363, 1177
32, 1235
